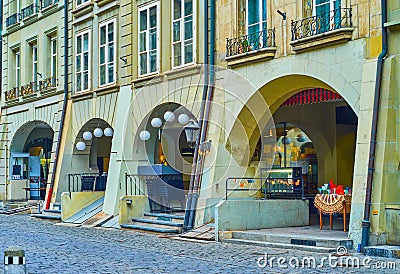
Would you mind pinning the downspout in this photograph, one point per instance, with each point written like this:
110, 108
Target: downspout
371, 162
64, 107
189, 209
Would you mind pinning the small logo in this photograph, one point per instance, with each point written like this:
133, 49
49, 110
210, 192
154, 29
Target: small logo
341, 250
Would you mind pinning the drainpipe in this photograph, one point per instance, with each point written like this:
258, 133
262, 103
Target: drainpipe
208, 92
371, 163
189, 209
64, 107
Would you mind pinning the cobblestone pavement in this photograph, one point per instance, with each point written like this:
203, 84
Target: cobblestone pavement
51, 248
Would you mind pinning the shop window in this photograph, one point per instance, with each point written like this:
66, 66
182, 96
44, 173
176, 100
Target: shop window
82, 61
148, 39
107, 53
183, 29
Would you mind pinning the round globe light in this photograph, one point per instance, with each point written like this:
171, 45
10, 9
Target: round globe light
98, 132
144, 135
286, 140
87, 135
183, 119
169, 116
108, 132
80, 146
156, 122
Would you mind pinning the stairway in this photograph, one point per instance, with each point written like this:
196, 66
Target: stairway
51, 214
314, 243
157, 222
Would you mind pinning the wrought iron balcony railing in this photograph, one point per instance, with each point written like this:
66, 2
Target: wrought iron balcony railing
29, 11
250, 42
32, 88
337, 19
13, 19
47, 3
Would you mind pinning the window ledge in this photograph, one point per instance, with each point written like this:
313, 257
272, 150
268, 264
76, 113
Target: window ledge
143, 80
183, 71
393, 25
82, 95
107, 89
252, 56
83, 9
322, 40
101, 3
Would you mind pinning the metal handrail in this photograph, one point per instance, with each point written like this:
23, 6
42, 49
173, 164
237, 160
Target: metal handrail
267, 186
134, 184
47, 3
250, 42
13, 19
75, 181
32, 87
314, 25
29, 11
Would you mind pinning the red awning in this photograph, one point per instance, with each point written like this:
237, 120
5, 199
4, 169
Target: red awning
312, 96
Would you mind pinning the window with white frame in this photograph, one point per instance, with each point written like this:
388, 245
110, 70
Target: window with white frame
82, 61
81, 2
53, 60
34, 63
324, 10
149, 39
107, 53
256, 15
17, 69
183, 29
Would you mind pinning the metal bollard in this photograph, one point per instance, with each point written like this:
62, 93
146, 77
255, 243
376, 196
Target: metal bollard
14, 260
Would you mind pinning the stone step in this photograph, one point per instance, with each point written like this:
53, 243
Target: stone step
301, 240
282, 245
57, 211
156, 222
164, 216
387, 251
151, 228
46, 216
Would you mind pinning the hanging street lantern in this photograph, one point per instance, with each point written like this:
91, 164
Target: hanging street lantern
109, 132
80, 146
144, 135
87, 135
98, 132
192, 131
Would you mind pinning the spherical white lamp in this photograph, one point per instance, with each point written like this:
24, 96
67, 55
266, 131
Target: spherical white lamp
87, 135
169, 116
144, 135
183, 119
98, 132
156, 122
108, 132
80, 146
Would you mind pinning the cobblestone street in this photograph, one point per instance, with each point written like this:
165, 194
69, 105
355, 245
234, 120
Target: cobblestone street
59, 249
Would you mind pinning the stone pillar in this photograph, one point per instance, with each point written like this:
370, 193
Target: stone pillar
14, 260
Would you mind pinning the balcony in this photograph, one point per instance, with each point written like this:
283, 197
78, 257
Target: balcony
253, 47
47, 3
13, 19
31, 89
29, 11
322, 30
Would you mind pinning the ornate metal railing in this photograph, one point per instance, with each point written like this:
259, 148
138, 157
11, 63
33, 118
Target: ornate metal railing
13, 19
250, 42
32, 88
12, 94
337, 19
47, 3
29, 11
133, 185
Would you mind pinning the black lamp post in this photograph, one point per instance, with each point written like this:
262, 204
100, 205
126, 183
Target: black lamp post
192, 132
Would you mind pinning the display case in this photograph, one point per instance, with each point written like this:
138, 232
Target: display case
285, 180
